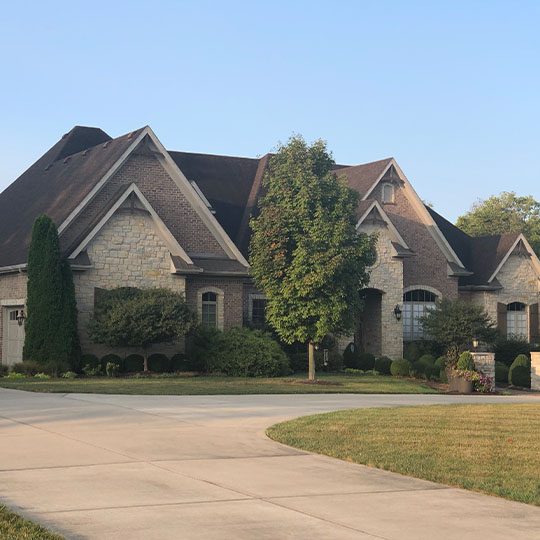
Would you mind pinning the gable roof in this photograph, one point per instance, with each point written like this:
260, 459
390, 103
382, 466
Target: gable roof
362, 177
55, 185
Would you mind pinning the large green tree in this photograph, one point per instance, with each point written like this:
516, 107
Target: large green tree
305, 252
140, 318
51, 337
504, 213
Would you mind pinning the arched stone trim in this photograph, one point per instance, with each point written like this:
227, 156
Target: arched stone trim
520, 299
436, 292
220, 304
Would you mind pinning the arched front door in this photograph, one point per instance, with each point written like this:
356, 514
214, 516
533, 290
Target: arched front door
13, 340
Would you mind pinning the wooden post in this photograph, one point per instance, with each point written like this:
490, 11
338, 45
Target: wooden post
311, 355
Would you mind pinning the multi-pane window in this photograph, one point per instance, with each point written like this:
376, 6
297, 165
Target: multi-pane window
258, 311
388, 193
516, 320
209, 310
415, 305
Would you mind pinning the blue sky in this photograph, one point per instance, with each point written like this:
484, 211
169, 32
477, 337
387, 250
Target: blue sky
451, 90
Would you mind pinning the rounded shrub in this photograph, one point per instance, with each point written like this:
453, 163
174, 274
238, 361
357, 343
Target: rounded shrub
465, 361
203, 348
366, 361
417, 369
249, 353
335, 362
441, 362
412, 352
427, 359
521, 376
432, 373
383, 364
180, 362
521, 360
501, 372
159, 363
351, 356
400, 368
89, 360
133, 363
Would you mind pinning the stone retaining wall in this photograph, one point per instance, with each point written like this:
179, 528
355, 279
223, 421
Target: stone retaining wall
535, 371
484, 362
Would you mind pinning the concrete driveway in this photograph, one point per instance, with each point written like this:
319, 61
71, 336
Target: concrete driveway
200, 467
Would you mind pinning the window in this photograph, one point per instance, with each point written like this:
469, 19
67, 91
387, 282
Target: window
258, 311
387, 193
516, 320
415, 305
209, 310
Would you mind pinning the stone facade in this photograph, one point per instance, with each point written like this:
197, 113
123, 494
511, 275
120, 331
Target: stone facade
535, 371
12, 293
127, 252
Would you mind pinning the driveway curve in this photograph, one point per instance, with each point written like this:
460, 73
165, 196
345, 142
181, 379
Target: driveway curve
200, 467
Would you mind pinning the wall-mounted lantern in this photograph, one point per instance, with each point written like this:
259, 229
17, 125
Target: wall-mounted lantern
21, 317
475, 342
397, 313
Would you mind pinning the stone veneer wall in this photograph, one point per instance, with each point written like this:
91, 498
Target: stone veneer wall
520, 284
484, 363
535, 371
127, 252
12, 290
386, 276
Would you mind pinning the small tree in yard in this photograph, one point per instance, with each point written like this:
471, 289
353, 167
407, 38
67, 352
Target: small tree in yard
51, 335
455, 324
140, 318
305, 252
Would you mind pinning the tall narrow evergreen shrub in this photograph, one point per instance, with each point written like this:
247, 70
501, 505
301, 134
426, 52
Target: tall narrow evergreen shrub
51, 324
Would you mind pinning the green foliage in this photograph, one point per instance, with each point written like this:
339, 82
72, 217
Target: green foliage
441, 362
503, 214
4, 370
109, 358
400, 368
69, 375
501, 372
92, 371
27, 368
203, 346
432, 372
89, 359
383, 364
366, 361
521, 376
42, 375
159, 363
133, 363
179, 362
15, 375
412, 352
427, 359
51, 323
507, 347
417, 369
351, 356
248, 353
305, 252
521, 361
443, 376
335, 362
455, 324
140, 317
465, 361
112, 369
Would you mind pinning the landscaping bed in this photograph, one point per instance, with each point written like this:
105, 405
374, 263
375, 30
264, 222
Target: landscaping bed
171, 385
491, 448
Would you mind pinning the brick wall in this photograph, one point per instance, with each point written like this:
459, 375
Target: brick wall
12, 289
429, 265
163, 194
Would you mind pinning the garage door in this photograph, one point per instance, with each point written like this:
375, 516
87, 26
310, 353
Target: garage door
13, 336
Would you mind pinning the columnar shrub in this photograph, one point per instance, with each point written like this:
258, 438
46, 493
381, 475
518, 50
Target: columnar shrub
351, 356
400, 367
465, 362
521, 376
521, 361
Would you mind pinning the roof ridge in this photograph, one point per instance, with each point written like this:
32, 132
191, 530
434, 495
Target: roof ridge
216, 155
363, 164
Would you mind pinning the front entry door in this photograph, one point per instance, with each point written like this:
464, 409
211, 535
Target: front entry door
14, 336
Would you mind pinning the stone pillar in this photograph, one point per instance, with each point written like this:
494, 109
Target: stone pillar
535, 371
484, 362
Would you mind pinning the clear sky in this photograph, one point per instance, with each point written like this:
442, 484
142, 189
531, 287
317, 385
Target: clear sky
450, 89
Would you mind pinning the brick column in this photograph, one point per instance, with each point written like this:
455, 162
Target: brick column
484, 362
535, 371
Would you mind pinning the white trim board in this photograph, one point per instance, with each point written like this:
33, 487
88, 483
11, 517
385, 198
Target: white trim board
174, 247
386, 219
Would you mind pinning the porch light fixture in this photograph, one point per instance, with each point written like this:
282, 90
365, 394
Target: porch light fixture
475, 342
21, 317
397, 313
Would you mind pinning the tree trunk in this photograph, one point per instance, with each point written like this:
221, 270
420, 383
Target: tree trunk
145, 368
311, 355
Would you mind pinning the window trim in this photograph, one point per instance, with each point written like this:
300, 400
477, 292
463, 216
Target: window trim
250, 304
408, 332
220, 295
392, 187
525, 312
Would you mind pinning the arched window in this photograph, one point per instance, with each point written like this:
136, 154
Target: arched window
388, 193
516, 320
415, 305
209, 310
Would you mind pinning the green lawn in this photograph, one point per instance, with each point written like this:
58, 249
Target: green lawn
493, 449
15, 527
343, 384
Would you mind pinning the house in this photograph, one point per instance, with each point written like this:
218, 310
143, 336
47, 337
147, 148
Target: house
131, 213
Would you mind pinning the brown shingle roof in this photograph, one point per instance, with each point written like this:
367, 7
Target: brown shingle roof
362, 177
55, 185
